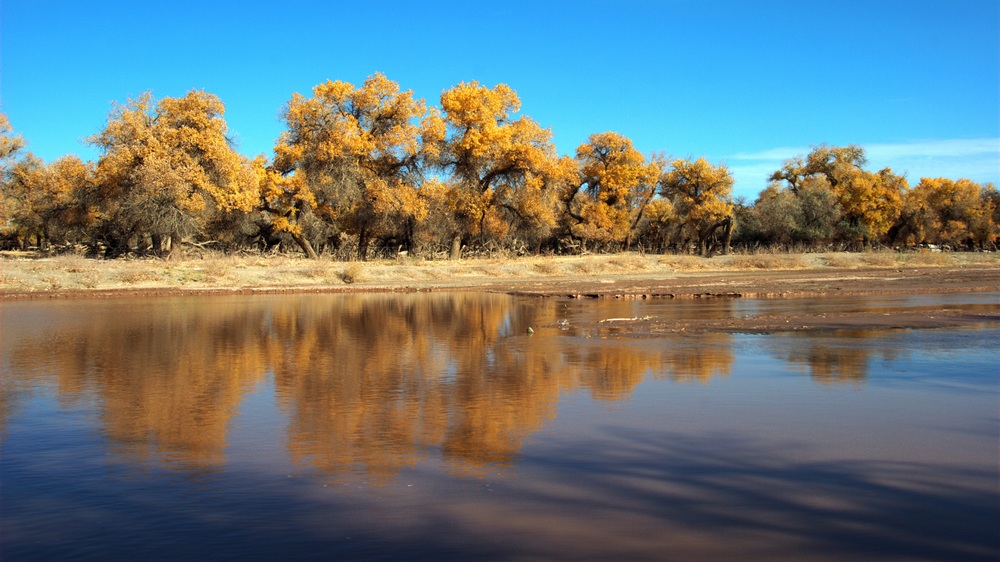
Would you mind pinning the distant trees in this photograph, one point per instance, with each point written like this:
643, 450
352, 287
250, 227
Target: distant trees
372, 168
869, 203
10, 143
957, 213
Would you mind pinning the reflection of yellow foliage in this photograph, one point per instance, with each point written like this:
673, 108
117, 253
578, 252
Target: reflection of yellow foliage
370, 383
167, 388
829, 363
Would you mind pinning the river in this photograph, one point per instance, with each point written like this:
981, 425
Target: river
440, 427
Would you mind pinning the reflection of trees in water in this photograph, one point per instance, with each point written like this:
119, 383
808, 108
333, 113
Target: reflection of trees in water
842, 357
164, 387
369, 382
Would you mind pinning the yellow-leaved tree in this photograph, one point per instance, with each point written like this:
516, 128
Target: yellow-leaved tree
506, 177
943, 211
870, 202
165, 169
43, 200
10, 143
617, 184
701, 196
352, 157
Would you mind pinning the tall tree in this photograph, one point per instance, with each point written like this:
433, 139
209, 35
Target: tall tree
42, 201
943, 211
166, 168
10, 142
359, 152
835, 163
505, 169
870, 202
701, 195
617, 184
10, 145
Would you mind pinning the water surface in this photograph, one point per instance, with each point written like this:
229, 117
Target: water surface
435, 426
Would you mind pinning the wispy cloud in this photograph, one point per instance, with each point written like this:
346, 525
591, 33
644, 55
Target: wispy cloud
975, 159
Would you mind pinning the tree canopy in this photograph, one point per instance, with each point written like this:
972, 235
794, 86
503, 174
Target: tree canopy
370, 169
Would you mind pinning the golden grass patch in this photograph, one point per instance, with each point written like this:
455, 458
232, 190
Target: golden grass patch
767, 261
879, 259
683, 262
353, 273
133, 276
927, 258
547, 268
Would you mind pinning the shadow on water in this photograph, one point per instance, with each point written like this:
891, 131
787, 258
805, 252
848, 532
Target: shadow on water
767, 505
647, 495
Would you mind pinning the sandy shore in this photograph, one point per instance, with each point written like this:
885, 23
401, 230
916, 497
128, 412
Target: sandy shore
628, 276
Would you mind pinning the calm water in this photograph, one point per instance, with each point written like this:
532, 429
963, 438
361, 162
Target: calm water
434, 427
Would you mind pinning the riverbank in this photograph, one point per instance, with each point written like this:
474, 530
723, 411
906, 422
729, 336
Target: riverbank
625, 276
23, 276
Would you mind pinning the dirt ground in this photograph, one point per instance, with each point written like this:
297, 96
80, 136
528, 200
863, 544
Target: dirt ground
626, 276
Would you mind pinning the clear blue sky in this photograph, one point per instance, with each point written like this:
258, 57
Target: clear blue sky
746, 83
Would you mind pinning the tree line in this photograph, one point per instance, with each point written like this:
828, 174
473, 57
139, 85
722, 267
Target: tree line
371, 170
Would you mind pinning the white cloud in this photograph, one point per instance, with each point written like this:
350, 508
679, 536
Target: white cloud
975, 159
948, 148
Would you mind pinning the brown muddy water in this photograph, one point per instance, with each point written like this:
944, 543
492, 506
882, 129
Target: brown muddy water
436, 427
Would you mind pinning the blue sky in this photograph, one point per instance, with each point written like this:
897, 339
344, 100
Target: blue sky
744, 83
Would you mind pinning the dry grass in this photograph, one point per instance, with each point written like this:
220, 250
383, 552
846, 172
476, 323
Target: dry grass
317, 270
629, 263
879, 259
23, 273
547, 268
353, 273
767, 261
839, 260
215, 270
683, 263
587, 267
926, 258
137, 276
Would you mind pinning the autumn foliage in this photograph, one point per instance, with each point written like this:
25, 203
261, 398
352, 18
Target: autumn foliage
371, 170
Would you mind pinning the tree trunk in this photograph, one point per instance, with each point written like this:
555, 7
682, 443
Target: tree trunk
727, 236
172, 249
363, 246
305, 245
456, 247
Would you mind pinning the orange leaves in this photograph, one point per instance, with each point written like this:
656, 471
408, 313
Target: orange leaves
871, 202
358, 150
700, 193
168, 168
472, 106
10, 143
506, 170
613, 170
488, 150
940, 210
619, 184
